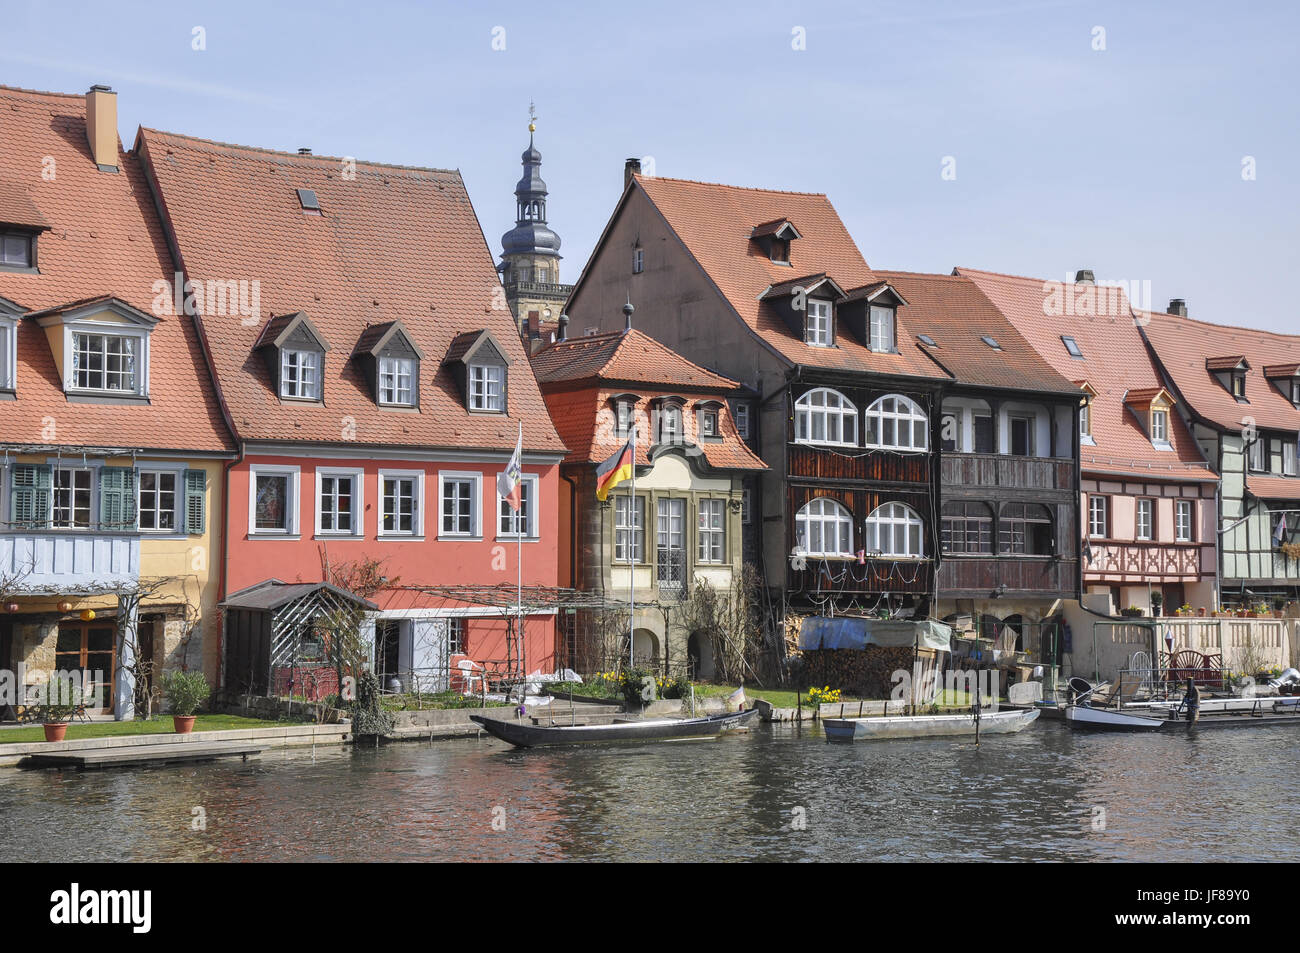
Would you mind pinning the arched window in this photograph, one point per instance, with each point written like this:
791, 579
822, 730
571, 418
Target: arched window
898, 423
826, 416
670, 422
824, 528
894, 529
967, 528
1025, 529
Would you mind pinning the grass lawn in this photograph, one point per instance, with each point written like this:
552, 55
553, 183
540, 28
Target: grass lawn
161, 725
437, 700
778, 697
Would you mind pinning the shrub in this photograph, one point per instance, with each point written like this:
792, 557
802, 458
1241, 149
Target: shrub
637, 686
185, 691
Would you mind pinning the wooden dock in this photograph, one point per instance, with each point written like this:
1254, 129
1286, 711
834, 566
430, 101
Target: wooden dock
143, 754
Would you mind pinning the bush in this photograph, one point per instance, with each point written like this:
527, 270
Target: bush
185, 691
637, 686
368, 718
678, 687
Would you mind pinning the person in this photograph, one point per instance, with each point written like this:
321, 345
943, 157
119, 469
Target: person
1192, 701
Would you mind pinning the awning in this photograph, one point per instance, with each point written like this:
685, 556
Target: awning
852, 632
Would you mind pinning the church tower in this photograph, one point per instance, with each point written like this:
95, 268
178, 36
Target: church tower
530, 255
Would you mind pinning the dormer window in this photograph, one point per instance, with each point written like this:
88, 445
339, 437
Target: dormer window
102, 349
624, 414
774, 239
17, 250
780, 251
709, 422
1231, 373
1286, 378
1085, 420
300, 375
1159, 426
882, 329
817, 330
487, 390
8, 346
295, 356
391, 363
670, 422
1239, 384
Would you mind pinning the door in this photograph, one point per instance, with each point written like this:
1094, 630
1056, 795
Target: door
671, 545
89, 647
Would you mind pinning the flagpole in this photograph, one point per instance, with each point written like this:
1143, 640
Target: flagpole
631, 561
519, 542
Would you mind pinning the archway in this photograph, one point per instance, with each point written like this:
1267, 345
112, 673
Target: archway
645, 648
699, 650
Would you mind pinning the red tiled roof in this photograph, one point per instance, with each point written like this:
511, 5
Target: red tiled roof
956, 315
104, 241
1282, 370
1273, 487
1181, 344
715, 222
391, 242
1114, 361
633, 357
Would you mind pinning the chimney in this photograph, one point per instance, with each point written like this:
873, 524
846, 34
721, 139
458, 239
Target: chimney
564, 327
101, 126
304, 151
1084, 276
627, 316
630, 168
1178, 306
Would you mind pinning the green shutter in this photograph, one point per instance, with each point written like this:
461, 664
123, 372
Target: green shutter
29, 496
196, 482
117, 498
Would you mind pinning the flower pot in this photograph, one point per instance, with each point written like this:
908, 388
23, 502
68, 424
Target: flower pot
55, 730
183, 724
1201, 612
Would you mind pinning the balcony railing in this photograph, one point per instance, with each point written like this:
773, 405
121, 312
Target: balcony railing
43, 560
1004, 470
542, 288
1143, 559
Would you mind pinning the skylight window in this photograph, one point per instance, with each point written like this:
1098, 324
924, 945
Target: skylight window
991, 343
1072, 346
926, 340
308, 200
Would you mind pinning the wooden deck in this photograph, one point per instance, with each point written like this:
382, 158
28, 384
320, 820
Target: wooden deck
144, 754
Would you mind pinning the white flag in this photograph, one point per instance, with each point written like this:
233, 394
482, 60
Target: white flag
508, 481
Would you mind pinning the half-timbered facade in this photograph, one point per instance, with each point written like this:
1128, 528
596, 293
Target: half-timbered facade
768, 289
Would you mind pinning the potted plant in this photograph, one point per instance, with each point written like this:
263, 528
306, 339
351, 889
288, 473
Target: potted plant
1157, 603
1132, 612
1200, 611
61, 700
185, 692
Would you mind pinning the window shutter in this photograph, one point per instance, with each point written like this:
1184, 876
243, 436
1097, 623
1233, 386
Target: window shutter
117, 498
29, 496
195, 501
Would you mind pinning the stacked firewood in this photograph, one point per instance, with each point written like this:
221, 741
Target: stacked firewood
866, 673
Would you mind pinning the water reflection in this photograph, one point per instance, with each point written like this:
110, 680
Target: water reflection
1033, 796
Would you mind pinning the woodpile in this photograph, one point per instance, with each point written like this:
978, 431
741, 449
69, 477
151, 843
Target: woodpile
865, 673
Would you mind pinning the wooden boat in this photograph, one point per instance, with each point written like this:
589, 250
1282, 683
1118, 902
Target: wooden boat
1005, 721
1109, 719
659, 729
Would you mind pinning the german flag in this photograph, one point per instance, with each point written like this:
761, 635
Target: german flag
614, 471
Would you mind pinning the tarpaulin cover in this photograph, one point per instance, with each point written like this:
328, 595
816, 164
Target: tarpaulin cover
850, 632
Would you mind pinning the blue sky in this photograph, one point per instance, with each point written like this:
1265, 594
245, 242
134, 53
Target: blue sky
1126, 160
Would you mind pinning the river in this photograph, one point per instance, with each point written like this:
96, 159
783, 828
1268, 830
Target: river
775, 793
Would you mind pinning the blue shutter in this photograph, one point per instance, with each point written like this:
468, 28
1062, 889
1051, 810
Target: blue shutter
196, 482
29, 496
117, 509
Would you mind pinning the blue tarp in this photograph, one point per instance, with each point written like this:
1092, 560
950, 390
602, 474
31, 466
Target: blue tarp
852, 632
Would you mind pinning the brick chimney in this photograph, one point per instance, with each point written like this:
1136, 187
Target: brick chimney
630, 168
101, 127
1178, 306
1084, 276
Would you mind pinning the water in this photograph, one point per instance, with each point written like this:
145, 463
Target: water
1217, 795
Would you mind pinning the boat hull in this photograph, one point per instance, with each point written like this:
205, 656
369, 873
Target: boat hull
1002, 722
660, 729
1104, 719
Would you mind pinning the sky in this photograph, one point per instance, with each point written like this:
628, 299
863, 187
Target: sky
1156, 144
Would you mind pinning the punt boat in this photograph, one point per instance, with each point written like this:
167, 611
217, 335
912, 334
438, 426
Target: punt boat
1005, 721
659, 729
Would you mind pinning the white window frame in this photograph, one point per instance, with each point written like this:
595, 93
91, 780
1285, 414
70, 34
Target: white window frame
881, 523
1144, 520
393, 368
358, 478
709, 538
636, 530
638, 260
807, 412
476, 504
827, 513
1290, 462
1257, 455
300, 389
1085, 423
1160, 431
882, 321
529, 508
624, 417
741, 414
714, 412
481, 396
1184, 520
178, 499
417, 497
906, 411
1093, 522
817, 322
670, 410
8, 352
79, 328
292, 501
92, 486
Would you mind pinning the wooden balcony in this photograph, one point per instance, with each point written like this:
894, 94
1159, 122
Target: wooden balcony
1119, 561
805, 461
874, 576
978, 577
52, 560
1006, 472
